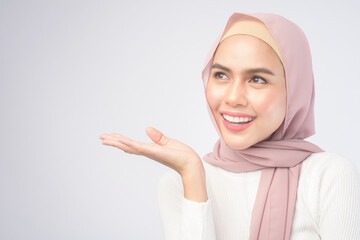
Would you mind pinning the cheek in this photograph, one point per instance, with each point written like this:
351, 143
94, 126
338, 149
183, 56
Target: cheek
271, 105
213, 96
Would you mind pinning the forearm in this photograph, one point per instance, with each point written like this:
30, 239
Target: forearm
181, 217
194, 182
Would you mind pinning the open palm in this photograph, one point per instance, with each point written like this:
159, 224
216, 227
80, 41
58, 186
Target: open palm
164, 150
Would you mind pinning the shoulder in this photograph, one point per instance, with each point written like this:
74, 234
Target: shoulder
327, 172
324, 163
329, 188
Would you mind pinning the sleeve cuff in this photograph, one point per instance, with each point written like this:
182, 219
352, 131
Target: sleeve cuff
197, 220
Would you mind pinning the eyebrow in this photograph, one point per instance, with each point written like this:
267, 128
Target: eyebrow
247, 71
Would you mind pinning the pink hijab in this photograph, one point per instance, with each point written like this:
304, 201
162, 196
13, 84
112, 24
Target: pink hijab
280, 157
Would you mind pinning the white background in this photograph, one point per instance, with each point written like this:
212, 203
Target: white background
72, 70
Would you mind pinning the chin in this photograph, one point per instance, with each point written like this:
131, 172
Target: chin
237, 143
237, 146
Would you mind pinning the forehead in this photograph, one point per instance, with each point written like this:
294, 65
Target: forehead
246, 48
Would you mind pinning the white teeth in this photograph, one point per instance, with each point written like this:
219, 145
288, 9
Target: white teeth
237, 119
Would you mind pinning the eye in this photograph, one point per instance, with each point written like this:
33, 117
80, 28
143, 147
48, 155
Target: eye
257, 79
220, 75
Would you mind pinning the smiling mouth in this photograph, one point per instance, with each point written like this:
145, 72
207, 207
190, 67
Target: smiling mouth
237, 121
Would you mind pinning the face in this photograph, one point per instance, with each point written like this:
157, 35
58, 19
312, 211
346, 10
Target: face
246, 91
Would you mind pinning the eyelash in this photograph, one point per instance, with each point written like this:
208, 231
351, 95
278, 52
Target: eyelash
216, 75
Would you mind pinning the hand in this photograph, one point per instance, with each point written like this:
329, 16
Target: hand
164, 150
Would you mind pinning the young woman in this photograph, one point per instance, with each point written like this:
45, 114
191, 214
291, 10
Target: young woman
262, 180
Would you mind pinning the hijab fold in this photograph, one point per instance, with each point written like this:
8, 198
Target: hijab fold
280, 157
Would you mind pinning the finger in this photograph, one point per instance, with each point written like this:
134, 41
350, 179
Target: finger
139, 147
106, 136
115, 136
102, 136
116, 143
156, 136
120, 138
149, 150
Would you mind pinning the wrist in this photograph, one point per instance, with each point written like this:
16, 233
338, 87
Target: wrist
194, 182
193, 167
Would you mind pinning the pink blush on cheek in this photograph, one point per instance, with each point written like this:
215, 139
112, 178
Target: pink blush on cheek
214, 97
270, 104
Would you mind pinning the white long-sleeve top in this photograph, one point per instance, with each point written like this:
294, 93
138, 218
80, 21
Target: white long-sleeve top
327, 205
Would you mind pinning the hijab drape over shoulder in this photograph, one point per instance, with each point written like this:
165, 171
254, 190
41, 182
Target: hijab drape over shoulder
280, 157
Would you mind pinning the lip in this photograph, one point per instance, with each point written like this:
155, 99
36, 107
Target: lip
236, 114
236, 128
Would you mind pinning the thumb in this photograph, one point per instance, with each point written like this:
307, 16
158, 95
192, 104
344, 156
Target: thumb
156, 136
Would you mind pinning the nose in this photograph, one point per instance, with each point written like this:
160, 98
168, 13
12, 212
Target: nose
236, 94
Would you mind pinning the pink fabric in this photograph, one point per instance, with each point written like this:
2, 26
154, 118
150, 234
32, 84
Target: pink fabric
279, 158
